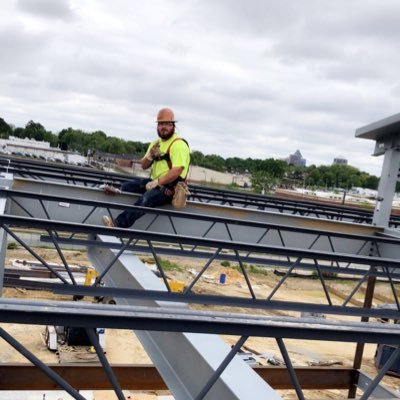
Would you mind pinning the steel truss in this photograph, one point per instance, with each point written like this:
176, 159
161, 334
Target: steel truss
147, 304
386, 269
208, 227
148, 318
332, 259
267, 246
93, 178
194, 321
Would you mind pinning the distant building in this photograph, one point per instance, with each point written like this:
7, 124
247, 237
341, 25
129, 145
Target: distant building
340, 160
296, 159
38, 149
32, 143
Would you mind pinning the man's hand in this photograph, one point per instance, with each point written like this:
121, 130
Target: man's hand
154, 152
152, 184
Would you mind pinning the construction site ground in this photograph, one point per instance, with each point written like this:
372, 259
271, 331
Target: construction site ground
123, 346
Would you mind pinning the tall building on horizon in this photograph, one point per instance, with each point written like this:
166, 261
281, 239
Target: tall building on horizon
296, 159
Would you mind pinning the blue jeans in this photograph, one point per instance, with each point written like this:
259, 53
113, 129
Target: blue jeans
152, 198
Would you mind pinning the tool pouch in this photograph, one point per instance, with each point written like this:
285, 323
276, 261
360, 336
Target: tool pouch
180, 195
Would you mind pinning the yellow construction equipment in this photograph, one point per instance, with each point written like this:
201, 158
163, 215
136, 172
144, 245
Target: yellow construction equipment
176, 286
90, 274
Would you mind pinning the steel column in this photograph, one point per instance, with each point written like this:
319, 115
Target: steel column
387, 187
5, 182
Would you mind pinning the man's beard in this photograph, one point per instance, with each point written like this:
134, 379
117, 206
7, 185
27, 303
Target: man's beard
165, 136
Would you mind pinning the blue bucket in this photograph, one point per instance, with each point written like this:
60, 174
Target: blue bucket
222, 278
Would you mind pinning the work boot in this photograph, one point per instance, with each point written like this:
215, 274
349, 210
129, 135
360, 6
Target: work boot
111, 190
107, 221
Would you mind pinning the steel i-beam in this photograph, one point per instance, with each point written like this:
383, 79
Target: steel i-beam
5, 182
186, 361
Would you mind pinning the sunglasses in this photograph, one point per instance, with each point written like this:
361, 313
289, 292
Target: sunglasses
165, 123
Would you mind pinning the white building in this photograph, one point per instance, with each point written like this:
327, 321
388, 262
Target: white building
37, 149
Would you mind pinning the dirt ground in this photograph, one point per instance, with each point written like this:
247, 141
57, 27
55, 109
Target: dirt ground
124, 347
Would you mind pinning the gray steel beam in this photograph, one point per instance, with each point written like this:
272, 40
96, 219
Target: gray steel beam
387, 187
198, 225
261, 304
180, 319
379, 392
372, 386
385, 128
389, 251
64, 211
235, 246
228, 301
386, 133
91, 177
21, 208
171, 352
118, 279
149, 237
3, 246
267, 260
5, 182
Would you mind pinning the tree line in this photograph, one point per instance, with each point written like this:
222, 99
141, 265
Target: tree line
264, 174
74, 140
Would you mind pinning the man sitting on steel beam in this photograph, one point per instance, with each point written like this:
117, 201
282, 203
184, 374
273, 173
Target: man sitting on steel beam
169, 159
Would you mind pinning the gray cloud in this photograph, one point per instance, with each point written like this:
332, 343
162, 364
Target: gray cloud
22, 51
257, 79
47, 8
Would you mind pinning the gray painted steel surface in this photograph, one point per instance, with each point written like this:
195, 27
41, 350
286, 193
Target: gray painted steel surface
178, 319
380, 392
5, 182
185, 361
386, 133
379, 130
129, 272
3, 246
76, 213
387, 187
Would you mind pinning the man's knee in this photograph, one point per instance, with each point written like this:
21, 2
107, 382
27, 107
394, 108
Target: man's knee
152, 198
135, 186
149, 197
131, 187
144, 200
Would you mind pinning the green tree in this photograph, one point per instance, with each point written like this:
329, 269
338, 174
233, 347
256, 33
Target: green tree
314, 177
263, 181
71, 139
19, 132
5, 129
268, 174
339, 176
197, 158
137, 148
275, 168
113, 145
235, 164
95, 141
215, 162
35, 130
370, 182
51, 138
296, 175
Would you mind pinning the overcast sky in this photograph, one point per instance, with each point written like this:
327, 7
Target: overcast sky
255, 78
